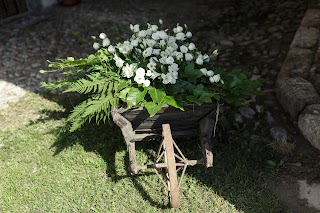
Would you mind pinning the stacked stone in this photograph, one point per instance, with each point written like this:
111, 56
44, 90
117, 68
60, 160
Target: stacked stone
299, 78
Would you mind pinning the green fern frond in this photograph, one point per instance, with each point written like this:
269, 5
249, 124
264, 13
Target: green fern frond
85, 86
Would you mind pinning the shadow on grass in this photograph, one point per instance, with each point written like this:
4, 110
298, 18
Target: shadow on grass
238, 174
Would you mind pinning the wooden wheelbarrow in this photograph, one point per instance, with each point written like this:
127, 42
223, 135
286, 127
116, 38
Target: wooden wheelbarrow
168, 123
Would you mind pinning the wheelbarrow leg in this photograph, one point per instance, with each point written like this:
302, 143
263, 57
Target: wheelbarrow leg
131, 145
173, 185
206, 132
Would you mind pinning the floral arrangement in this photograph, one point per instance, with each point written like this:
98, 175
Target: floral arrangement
152, 68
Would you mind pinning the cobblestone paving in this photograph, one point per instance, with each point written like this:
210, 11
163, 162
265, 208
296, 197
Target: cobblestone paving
254, 35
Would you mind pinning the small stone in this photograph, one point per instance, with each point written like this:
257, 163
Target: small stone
35, 65
279, 133
238, 118
247, 112
269, 118
259, 108
226, 43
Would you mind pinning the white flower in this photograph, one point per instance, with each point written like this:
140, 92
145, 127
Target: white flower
189, 34
199, 60
169, 50
179, 29
216, 78
192, 46
96, 46
169, 60
139, 79
118, 60
173, 67
210, 73
102, 36
155, 36
163, 35
105, 42
162, 43
160, 21
156, 51
140, 72
111, 49
155, 75
206, 58
180, 36
135, 28
154, 28
179, 55
188, 57
149, 73
134, 43
204, 71
147, 52
142, 33
125, 47
128, 70
151, 42
163, 60
174, 74
183, 49
146, 83
166, 78
152, 65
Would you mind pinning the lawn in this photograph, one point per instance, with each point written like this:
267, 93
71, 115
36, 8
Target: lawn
45, 169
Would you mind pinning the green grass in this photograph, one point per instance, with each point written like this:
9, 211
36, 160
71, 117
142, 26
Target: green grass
45, 170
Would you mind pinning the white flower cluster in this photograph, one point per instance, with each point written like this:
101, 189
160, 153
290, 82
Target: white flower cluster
162, 53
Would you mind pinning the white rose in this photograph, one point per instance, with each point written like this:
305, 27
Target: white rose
111, 49
102, 36
135, 43
152, 65
142, 33
173, 67
140, 72
189, 34
154, 28
204, 71
179, 55
216, 78
169, 60
210, 73
149, 73
179, 29
155, 36
139, 79
180, 36
105, 42
119, 61
96, 46
188, 57
156, 51
136, 28
183, 49
166, 78
147, 52
128, 70
146, 83
199, 61
192, 46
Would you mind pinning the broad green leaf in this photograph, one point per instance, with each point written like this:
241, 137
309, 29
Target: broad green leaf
199, 90
205, 98
170, 100
134, 97
189, 68
152, 108
191, 98
123, 93
157, 95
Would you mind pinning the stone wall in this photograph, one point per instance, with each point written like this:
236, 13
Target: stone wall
299, 79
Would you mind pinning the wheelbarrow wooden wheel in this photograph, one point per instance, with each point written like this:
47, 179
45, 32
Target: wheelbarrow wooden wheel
173, 185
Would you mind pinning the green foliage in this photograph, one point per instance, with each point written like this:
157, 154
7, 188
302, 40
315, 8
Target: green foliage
110, 77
